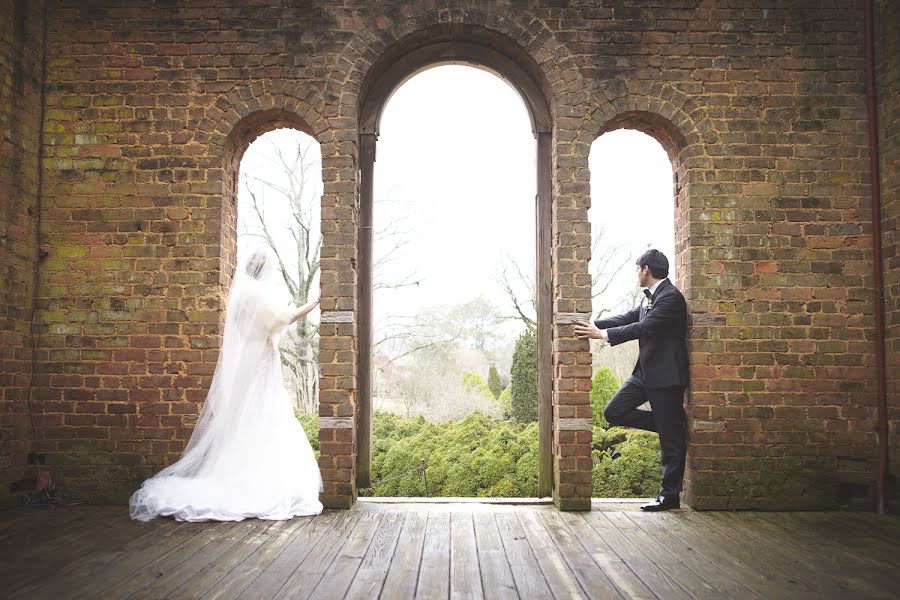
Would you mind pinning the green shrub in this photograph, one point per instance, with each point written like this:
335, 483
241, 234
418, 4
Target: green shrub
474, 383
524, 392
484, 457
627, 469
310, 422
477, 456
605, 384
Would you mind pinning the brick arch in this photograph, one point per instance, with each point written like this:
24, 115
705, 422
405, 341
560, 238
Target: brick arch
681, 126
670, 137
243, 115
556, 63
502, 56
443, 44
676, 120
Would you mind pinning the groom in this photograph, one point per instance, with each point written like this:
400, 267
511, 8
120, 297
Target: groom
661, 373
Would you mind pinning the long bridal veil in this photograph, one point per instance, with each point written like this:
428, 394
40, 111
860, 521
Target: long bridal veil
248, 455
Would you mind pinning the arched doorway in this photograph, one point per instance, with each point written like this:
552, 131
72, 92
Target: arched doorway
632, 209
502, 57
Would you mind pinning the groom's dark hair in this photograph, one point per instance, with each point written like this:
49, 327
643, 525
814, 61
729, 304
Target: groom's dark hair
656, 260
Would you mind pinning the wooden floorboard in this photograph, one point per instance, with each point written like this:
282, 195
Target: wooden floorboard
526, 571
631, 553
496, 576
465, 571
402, 576
246, 571
335, 581
607, 560
452, 550
369, 578
314, 551
784, 581
594, 583
720, 580
258, 532
807, 561
868, 555
434, 572
667, 559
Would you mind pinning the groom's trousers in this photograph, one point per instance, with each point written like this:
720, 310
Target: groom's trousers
665, 417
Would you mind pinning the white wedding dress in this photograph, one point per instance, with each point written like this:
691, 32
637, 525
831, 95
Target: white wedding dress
248, 456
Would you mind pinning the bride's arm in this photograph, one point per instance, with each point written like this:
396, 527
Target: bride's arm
305, 309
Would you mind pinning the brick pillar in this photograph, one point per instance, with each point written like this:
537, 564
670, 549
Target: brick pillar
572, 300
338, 334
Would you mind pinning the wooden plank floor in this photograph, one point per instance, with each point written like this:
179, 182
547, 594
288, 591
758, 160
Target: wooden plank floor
452, 550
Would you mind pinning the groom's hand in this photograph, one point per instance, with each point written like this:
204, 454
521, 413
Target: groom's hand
585, 330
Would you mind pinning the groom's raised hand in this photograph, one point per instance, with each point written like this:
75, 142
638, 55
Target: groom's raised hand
585, 330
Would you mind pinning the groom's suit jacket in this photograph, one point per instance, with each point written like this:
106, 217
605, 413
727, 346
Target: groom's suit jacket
661, 332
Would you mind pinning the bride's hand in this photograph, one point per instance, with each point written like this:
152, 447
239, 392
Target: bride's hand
305, 309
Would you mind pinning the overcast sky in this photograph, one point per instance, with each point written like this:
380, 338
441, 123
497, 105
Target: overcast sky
455, 173
456, 162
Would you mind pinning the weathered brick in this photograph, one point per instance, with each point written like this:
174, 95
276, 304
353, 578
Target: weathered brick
768, 141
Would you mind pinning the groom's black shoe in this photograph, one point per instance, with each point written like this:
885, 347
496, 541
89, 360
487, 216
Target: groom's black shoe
662, 503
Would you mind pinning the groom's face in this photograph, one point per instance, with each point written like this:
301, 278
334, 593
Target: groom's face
643, 274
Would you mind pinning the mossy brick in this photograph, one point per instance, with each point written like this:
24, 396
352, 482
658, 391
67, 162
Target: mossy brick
772, 208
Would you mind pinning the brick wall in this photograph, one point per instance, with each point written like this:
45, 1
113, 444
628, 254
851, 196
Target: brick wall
783, 393
21, 58
887, 78
762, 109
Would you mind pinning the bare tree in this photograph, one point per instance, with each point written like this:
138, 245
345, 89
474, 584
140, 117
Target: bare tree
393, 237
477, 320
287, 222
297, 188
607, 261
524, 303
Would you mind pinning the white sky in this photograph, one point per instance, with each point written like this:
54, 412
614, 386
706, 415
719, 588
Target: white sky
456, 162
455, 171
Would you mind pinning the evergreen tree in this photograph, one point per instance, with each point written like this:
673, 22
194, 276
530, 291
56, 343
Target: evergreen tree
494, 381
524, 392
506, 402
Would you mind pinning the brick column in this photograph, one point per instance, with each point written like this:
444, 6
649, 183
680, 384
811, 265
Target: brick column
572, 300
338, 334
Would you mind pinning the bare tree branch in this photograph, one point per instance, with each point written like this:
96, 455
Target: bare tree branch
606, 263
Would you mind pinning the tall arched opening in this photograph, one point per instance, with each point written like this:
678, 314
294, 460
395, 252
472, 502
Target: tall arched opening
454, 44
673, 145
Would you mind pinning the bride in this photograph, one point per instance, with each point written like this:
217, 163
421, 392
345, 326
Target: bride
248, 455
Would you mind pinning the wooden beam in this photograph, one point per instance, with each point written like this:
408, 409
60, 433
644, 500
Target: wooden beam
544, 290
364, 323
